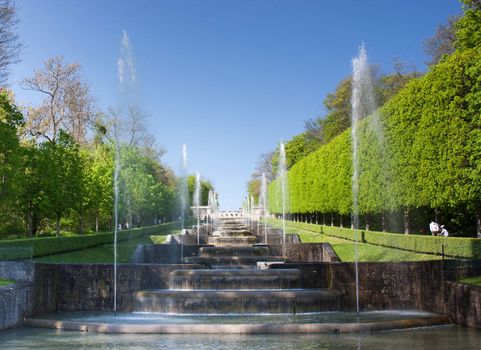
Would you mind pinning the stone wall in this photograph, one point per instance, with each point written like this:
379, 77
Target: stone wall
463, 304
89, 287
390, 285
424, 285
17, 270
14, 304
15, 299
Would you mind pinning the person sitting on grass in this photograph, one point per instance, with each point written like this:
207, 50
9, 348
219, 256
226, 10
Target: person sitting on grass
444, 232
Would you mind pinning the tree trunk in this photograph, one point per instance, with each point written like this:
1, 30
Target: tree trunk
340, 221
97, 221
436, 215
81, 221
366, 217
478, 221
324, 219
383, 222
332, 219
406, 221
31, 231
58, 225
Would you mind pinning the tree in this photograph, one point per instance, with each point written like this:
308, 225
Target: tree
10, 45
468, 28
10, 160
338, 106
62, 171
67, 104
442, 42
313, 133
254, 188
264, 165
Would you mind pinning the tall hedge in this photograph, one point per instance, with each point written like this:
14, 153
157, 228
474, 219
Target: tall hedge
422, 150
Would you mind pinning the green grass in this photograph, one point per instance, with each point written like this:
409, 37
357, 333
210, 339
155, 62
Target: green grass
345, 249
475, 281
103, 254
5, 282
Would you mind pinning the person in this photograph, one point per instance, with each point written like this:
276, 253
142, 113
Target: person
434, 228
444, 232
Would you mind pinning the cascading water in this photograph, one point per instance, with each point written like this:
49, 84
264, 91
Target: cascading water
282, 176
263, 202
197, 203
362, 103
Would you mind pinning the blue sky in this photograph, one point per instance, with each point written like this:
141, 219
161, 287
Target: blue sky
228, 78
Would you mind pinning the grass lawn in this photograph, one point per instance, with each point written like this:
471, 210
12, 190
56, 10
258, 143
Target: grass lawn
367, 252
4, 282
103, 253
476, 281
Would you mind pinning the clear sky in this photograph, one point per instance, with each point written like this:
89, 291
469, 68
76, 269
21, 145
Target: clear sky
230, 78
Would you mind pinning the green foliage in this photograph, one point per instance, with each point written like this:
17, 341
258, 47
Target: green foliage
205, 187
254, 189
103, 254
457, 247
338, 106
468, 28
10, 162
5, 282
42, 246
421, 150
475, 281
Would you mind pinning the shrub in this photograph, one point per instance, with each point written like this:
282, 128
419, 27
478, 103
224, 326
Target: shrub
41, 246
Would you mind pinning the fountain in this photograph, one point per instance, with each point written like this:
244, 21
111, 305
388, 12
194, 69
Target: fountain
263, 204
232, 284
126, 77
184, 196
282, 175
197, 194
184, 192
363, 104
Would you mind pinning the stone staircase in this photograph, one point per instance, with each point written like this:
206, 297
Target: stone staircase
232, 283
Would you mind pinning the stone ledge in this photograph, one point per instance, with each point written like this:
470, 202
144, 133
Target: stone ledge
271, 328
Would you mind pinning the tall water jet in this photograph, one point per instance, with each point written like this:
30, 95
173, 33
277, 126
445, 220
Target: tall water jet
362, 103
282, 176
197, 203
184, 192
210, 204
252, 212
263, 203
116, 206
127, 78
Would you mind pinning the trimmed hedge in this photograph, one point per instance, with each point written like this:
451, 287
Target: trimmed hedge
41, 246
457, 247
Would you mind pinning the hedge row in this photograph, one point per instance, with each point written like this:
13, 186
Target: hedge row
421, 150
41, 246
457, 247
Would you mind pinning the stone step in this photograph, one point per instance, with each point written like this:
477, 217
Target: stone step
238, 240
234, 251
231, 260
232, 233
234, 267
244, 302
234, 279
